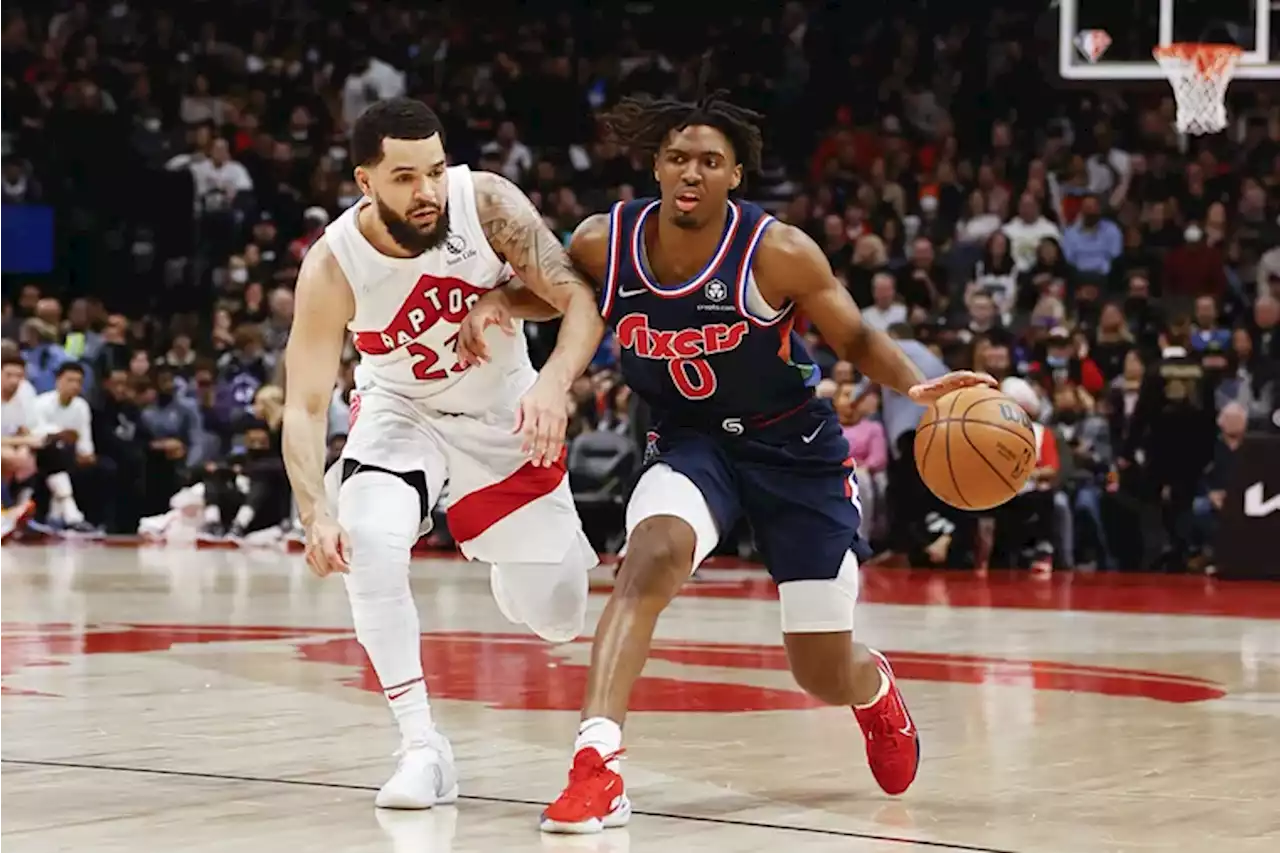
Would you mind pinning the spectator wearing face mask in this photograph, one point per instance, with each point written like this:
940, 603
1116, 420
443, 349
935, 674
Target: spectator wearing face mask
1067, 361
1092, 242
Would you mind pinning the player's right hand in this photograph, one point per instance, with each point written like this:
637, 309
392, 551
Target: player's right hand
489, 310
327, 547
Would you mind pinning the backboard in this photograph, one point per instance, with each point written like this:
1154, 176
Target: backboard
1112, 39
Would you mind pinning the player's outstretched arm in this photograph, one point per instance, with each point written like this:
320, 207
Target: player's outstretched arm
324, 306
517, 233
789, 265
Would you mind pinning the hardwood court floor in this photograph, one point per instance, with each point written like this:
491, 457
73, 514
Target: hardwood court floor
184, 700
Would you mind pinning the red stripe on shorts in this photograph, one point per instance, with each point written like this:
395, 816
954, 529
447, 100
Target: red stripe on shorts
475, 513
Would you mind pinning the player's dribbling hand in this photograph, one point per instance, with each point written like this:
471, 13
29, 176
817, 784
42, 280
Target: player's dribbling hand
327, 548
472, 350
542, 418
927, 392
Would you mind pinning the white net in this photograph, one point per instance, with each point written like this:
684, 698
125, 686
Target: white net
1199, 74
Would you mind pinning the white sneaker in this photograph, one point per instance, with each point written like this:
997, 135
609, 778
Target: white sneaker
425, 777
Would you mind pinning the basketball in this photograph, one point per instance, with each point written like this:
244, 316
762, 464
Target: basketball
975, 448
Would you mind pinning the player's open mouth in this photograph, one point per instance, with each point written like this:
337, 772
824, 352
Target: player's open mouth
425, 215
687, 201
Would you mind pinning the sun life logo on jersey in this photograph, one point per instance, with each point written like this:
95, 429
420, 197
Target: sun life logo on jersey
456, 245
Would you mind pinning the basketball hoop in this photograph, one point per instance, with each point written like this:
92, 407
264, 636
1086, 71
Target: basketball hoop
1199, 74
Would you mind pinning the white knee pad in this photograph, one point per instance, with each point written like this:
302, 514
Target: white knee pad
662, 490
549, 598
379, 512
821, 606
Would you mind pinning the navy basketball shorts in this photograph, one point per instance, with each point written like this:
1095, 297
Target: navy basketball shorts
799, 495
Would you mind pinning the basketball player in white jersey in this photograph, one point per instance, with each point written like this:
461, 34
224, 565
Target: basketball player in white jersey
398, 271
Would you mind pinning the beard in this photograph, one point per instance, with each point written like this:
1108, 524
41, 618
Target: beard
686, 221
409, 236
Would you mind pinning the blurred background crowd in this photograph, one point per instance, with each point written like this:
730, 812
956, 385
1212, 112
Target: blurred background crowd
1064, 240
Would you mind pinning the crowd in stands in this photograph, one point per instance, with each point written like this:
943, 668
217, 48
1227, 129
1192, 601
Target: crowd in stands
1064, 241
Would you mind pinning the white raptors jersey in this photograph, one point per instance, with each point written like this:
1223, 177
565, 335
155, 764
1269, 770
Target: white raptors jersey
408, 311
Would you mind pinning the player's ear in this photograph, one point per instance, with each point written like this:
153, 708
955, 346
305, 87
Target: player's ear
362, 179
737, 177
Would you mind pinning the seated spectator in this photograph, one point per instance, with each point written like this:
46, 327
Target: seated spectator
869, 448
43, 355
17, 419
885, 308
1026, 523
1064, 362
1112, 341
1248, 380
1207, 335
174, 428
250, 491
1201, 526
64, 418
1085, 440
122, 442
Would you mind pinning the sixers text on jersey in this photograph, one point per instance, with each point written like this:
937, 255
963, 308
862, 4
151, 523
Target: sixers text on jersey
682, 350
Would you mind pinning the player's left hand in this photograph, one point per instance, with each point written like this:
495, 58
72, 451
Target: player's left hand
927, 392
489, 310
542, 418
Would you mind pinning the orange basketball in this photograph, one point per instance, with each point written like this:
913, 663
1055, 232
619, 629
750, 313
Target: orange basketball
975, 448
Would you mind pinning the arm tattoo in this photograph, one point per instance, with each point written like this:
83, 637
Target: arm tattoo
517, 233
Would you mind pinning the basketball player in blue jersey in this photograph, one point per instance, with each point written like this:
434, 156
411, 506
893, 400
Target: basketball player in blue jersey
702, 292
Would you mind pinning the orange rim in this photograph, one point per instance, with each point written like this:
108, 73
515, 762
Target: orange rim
1208, 60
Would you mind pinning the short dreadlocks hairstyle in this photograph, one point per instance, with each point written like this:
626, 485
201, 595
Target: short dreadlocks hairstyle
643, 124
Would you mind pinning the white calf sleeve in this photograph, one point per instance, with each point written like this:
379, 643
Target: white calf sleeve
380, 513
550, 598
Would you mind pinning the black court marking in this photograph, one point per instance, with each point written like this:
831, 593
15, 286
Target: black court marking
303, 783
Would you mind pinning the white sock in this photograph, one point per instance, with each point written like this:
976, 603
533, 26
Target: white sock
69, 510
601, 734
412, 710
881, 692
62, 505
244, 517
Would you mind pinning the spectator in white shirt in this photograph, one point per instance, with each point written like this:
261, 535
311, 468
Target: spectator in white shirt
371, 80
219, 178
65, 419
1026, 230
63, 414
17, 396
515, 157
885, 309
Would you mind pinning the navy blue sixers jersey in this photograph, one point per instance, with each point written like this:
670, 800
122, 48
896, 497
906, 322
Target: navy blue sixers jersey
731, 388
697, 352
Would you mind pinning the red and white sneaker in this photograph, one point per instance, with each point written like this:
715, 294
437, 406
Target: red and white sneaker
13, 518
893, 745
595, 798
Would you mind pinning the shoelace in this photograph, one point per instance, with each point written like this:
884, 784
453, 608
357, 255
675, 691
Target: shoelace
585, 768
883, 729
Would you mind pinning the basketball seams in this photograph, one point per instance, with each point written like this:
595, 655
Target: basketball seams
955, 481
978, 452
920, 464
1015, 433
